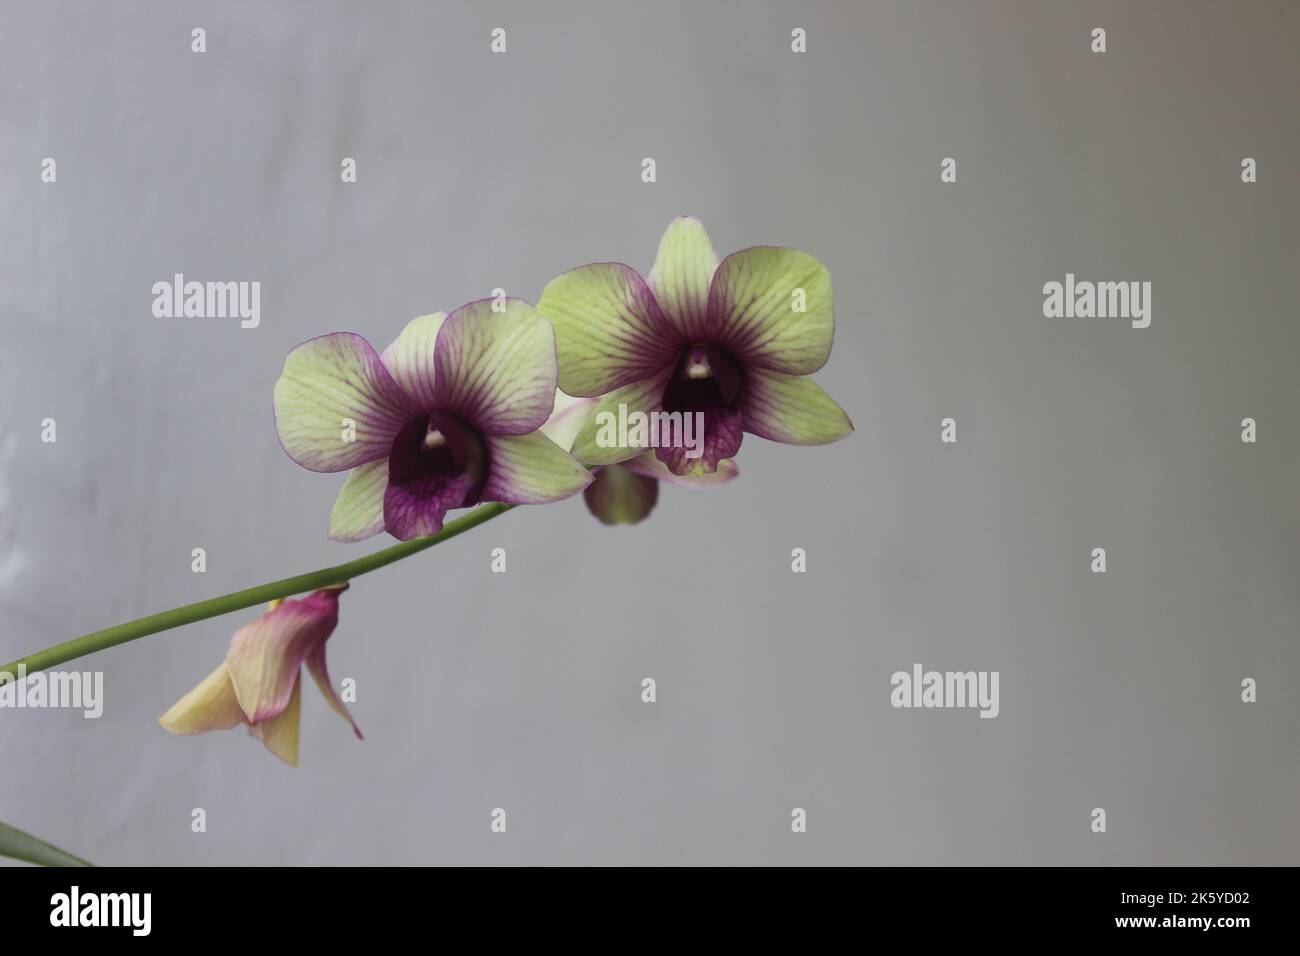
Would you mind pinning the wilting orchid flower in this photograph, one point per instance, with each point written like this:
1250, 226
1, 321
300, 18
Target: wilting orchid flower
447, 417
734, 340
623, 493
259, 682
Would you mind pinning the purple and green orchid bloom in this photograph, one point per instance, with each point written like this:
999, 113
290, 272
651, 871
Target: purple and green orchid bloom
734, 340
445, 418
259, 682
623, 493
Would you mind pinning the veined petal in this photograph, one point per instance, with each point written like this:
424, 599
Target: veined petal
723, 432
648, 464
566, 418
791, 409
321, 674
496, 370
210, 706
266, 656
609, 330
358, 511
771, 308
598, 443
621, 496
280, 733
681, 275
336, 405
414, 509
410, 359
531, 470
438, 463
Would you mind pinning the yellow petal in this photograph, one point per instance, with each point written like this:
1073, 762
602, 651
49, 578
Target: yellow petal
280, 733
210, 706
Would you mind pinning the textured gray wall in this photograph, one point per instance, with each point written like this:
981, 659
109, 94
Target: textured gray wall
522, 690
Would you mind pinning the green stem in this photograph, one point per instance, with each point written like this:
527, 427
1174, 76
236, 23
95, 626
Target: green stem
261, 594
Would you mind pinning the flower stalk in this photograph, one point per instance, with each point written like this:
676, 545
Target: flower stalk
238, 600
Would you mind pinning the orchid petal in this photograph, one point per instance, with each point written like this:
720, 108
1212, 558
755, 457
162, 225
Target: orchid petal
417, 508
648, 464
620, 496
681, 275
644, 396
358, 511
609, 330
791, 409
336, 405
410, 359
438, 463
771, 308
280, 733
265, 656
531, 470
210, 706
496, 370
567, 418
321, 674
722, 434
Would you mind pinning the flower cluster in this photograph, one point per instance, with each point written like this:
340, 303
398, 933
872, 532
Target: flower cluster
499, 401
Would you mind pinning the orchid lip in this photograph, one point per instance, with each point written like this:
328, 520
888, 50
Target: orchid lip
436, 448
697, 364
437, 463
705, 369
707, 381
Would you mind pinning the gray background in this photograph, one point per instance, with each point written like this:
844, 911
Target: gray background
522, 690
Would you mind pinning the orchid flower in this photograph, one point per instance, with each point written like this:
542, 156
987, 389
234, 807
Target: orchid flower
259, 682
623, 493
734, 341
445, 418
